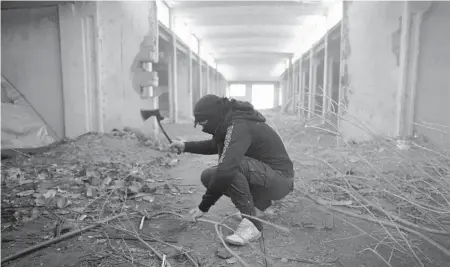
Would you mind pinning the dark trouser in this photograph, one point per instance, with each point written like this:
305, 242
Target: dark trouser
256, 185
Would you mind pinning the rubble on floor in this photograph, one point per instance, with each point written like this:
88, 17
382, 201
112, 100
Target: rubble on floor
403, 190
85, 181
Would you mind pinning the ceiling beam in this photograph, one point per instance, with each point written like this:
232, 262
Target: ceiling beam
183, 5
245, 34
248, 49
249, 11
246, 31
240, 38
263, 54
249, 41
231, 20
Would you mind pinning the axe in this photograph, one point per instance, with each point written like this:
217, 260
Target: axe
146, 114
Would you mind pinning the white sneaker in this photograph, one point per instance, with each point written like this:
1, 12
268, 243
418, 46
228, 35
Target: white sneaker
245, 233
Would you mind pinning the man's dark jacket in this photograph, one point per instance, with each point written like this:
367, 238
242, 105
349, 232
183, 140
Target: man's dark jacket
247, 134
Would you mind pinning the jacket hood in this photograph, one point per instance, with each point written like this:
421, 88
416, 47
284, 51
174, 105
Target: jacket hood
245, 110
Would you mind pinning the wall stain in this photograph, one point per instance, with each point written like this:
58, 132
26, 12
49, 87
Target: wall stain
345, 55
148, 52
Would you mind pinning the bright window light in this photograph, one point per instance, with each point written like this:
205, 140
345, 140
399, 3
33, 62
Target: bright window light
263, 96
163, 13
278, 69
182, 30
280, 97
237, 90
314, 28
194, 44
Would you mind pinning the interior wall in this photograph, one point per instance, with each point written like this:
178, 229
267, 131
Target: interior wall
123, 28
204, 81
306, 82
319, 87
334, 52
79, 58
163, 69
371, 71
195, 82
432, 113
184, 106
31, 60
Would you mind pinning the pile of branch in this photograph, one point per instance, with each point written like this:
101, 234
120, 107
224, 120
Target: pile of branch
407, 202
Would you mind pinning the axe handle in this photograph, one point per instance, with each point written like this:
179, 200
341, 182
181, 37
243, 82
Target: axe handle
166, 135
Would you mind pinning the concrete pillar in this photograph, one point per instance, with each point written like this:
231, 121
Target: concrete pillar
363, 95
301, 92
325, 86
311, 84
285, 89
404, 53
208, 86
294, 86
122, 78
217, 83
191, 83
173, 88
276, 95
248, 92
183, 92
200, 71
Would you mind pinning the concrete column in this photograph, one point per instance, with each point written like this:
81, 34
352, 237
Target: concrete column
404, 52
276, 95
301, 92
289, 83
294, 86
285, 89
183, 90
217, 84
248, 92
200, 70
80, 85
419, 8
305, 96
325, 86
191, 82
173, 89
208, 87
121, 76
331, 103
311, 83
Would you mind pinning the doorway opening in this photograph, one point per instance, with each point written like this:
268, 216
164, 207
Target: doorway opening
263, 96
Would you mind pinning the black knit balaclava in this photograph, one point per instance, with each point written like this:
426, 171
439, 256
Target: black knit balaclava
208, 112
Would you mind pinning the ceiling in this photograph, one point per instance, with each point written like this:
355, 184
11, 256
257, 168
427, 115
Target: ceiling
250, 40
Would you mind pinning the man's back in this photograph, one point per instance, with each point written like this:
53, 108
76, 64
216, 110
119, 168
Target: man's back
267, 146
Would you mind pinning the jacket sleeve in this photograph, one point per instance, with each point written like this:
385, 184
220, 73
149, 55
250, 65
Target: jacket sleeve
237, 141
207, 147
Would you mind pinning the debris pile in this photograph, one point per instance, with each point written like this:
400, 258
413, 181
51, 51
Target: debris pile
404, 190
109, 179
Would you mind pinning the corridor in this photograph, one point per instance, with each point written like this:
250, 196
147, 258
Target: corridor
357, 90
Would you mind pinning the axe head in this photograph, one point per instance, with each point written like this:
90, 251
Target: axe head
145, 114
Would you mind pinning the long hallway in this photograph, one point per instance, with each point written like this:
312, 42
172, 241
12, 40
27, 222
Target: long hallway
357, 90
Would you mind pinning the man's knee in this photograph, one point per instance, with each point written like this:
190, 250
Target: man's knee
207, 175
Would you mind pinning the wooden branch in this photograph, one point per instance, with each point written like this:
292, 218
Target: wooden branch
57, 239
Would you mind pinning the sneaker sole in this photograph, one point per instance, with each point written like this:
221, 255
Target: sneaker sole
249, 241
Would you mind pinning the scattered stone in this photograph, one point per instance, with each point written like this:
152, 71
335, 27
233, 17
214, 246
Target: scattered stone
91, 192
25, 193
149, 198
223, 253
231, 260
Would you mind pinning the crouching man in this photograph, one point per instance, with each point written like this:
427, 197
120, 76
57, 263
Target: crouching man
253, 168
